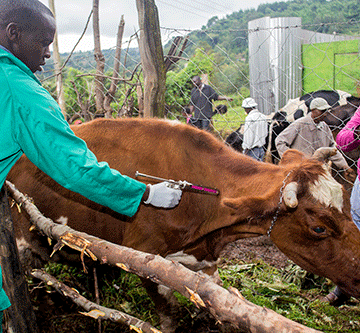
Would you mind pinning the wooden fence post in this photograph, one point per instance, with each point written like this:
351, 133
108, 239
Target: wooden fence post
152, 59
20, 315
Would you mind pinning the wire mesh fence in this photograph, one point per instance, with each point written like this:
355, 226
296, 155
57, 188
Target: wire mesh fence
276, 63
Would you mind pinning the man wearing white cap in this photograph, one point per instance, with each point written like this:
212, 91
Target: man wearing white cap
255, 130
309, 133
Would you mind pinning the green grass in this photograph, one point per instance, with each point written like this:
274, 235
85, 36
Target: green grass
230, 121
226, 123
331, 66
290, 292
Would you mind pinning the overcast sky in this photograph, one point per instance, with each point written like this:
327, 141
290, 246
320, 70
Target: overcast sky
72, 15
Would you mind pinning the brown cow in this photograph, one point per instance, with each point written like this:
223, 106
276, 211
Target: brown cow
297, 202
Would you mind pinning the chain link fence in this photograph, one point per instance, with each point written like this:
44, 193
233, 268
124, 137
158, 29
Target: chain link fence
298, 60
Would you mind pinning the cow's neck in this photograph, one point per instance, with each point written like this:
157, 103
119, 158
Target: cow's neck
225, 226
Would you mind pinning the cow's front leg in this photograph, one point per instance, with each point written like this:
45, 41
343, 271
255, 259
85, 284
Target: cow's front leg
166, 305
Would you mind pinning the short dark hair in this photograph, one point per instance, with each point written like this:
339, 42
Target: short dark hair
21, 12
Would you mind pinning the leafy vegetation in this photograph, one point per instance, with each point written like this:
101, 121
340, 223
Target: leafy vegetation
290, 292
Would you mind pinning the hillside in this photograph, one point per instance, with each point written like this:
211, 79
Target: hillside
230, 33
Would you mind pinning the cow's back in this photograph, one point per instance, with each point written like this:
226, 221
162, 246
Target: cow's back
150, 146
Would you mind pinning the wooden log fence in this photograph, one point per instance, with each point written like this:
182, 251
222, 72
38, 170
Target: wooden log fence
226, 305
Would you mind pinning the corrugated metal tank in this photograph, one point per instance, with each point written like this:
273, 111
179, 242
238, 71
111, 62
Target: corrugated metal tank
274, 61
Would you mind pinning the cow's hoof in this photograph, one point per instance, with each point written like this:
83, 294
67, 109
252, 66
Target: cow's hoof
334, 299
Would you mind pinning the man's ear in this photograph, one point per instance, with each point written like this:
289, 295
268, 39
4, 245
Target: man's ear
13, 32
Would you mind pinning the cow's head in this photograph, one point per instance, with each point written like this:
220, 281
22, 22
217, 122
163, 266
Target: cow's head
308, 217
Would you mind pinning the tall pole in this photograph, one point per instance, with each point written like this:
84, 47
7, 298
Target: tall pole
100, 61
57, 65
152, 59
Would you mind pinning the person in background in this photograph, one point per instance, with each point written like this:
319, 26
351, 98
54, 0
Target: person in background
201, 106
255, 130
32, 122
349, 139
309, 133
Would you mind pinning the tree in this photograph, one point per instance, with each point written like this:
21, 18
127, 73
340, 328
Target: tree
79, 94
100, 61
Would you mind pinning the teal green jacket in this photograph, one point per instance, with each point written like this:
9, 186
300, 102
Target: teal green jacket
32, 124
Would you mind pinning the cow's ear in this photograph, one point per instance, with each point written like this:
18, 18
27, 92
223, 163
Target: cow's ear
292, 156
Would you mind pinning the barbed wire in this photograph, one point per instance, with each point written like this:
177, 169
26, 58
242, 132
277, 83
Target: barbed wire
308, 25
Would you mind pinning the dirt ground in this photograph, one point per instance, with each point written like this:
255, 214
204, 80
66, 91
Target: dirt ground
256, 248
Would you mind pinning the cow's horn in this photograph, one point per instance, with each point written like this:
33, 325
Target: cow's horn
290, 194
322, 154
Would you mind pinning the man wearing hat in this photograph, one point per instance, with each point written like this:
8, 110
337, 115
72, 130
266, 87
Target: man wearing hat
255, 130
309, 133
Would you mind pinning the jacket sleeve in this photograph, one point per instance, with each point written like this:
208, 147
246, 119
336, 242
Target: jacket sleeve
46, 139
338, 159
285, 139
346, 139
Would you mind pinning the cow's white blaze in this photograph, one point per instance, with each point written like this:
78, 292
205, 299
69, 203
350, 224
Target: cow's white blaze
328, 191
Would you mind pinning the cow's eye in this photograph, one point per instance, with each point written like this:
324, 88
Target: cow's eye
319, 230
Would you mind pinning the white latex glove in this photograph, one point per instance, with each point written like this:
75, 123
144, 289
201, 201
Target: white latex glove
163, 196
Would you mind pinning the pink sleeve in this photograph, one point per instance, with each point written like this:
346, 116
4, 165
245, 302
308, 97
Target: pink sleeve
345, 139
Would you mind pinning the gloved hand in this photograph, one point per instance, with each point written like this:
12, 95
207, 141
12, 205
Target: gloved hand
163, 196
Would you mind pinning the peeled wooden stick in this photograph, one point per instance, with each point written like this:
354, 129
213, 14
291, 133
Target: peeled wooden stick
95, 311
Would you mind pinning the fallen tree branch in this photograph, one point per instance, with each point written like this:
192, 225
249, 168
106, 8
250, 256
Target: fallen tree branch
171, 57
227, 306
94, 310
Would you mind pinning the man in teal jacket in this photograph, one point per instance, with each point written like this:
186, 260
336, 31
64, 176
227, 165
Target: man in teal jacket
32, 123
